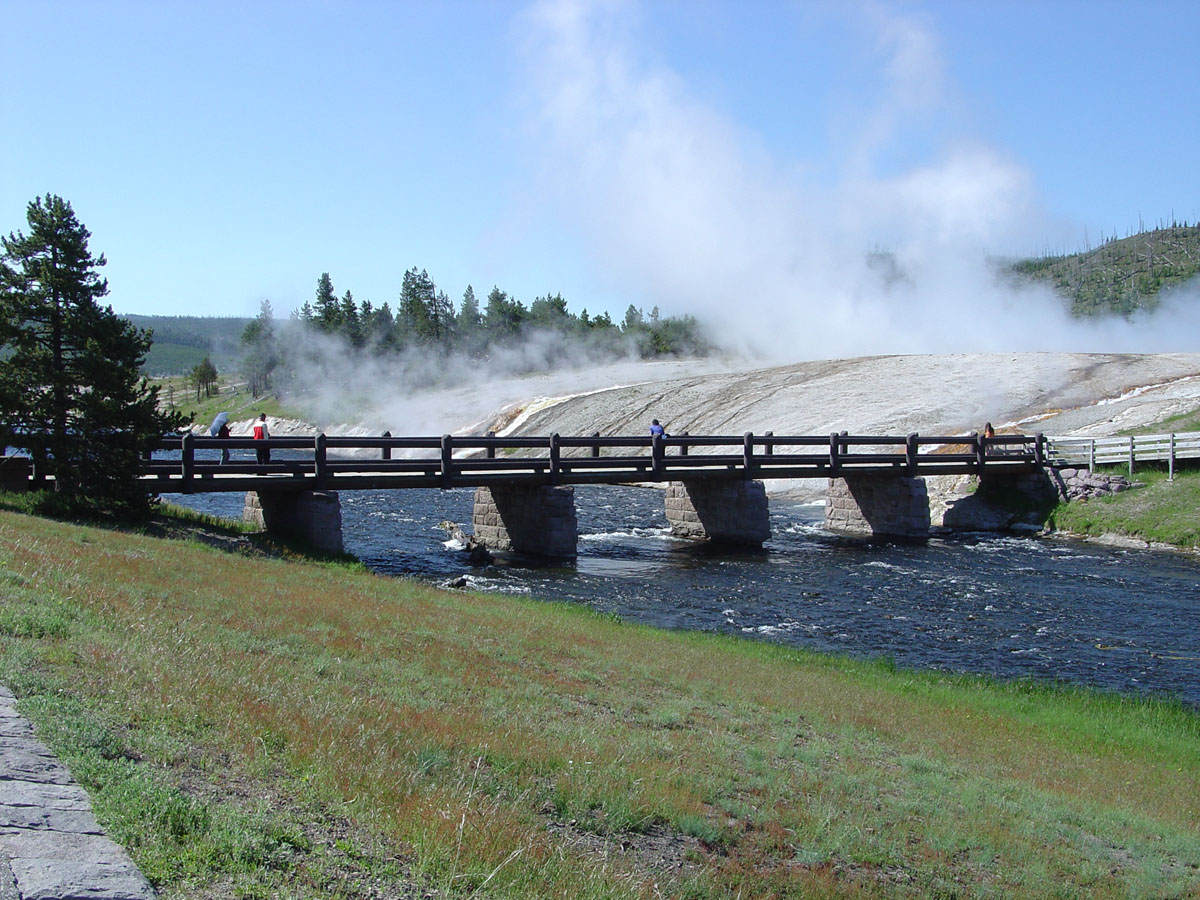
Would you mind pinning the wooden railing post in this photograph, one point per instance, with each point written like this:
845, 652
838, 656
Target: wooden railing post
683, 448
1092, 456
386, 452
447, 459
770, 448
980, 443
1171, 459
748, 454
188, 456
491, 450
910, 453
656, 454
555, 456
1039, 450
1131, 454
835, 462
596, 446
319, 460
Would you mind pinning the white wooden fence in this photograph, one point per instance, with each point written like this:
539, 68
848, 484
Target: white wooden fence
1139, 448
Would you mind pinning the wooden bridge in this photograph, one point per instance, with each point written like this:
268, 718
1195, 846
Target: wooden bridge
524, 496
191, 464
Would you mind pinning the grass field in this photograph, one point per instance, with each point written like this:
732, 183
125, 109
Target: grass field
232, 397
256, 727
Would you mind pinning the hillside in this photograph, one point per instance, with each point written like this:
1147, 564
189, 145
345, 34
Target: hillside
180, 342
1123, 276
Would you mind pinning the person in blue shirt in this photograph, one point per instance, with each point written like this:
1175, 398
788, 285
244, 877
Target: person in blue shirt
656, 430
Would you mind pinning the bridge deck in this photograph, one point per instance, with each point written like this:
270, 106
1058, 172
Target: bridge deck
191, 464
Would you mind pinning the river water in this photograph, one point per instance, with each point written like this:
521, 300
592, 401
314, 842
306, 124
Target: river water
1117, 619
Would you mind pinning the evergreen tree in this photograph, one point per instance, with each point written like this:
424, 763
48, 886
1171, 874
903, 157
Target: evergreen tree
550, 312
503, 317
633, 319
351, 327
204, 376
441, 315
381, 328
327, 311
414, 318
70, 381
260, 349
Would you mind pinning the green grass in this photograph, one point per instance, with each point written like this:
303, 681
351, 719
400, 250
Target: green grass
232, 397
279, 728
1163, 511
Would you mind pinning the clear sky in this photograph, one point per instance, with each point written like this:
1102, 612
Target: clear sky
663, 152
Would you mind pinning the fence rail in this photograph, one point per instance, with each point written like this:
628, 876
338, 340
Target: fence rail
1129, 450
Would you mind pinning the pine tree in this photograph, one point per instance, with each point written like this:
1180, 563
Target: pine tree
351, 326
260, 349
327, 311
468, 324
414, 315
503, 316
204, 375
70, 381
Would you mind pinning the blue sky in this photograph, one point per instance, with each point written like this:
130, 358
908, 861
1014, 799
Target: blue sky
670, 153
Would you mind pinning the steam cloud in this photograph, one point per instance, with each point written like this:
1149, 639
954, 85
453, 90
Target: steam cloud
701, 218
689, 211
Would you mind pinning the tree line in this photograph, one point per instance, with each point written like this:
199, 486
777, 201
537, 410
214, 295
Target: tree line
426, 316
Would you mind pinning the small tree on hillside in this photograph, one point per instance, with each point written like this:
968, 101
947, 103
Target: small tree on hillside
204, 377
70, 382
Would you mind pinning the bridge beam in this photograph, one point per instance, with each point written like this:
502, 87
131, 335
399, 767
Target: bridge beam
537, 519
878, 505
314, 517
726, 512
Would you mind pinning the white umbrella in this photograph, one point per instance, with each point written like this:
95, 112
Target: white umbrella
220, 420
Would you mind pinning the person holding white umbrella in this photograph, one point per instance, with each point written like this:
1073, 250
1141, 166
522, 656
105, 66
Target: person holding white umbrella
220, 428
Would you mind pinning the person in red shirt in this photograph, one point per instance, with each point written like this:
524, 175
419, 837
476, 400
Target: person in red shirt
261, 434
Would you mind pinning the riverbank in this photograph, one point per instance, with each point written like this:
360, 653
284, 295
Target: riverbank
258, 727
1160, 513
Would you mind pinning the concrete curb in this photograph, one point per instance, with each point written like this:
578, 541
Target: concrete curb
51, 847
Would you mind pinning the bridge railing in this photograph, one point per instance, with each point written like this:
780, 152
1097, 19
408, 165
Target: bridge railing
450, 460
1126, 450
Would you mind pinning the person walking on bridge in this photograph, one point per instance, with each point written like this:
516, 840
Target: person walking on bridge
262, 434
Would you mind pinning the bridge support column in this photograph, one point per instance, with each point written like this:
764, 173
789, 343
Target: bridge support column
538, 520
727, 512
1006, 501
878, 504
314, 517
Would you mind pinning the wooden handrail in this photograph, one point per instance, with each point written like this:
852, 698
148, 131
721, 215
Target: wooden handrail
328, 462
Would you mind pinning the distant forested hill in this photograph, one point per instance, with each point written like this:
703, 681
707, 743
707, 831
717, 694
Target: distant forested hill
180, 342
1123, 275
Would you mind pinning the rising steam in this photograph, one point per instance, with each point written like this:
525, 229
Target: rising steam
690, 208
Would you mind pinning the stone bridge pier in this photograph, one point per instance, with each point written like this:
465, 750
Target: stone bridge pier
314, 517
878, 505
541, 520
537, 519
725, 512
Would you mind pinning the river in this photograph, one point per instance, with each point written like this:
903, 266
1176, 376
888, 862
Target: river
1012, 607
